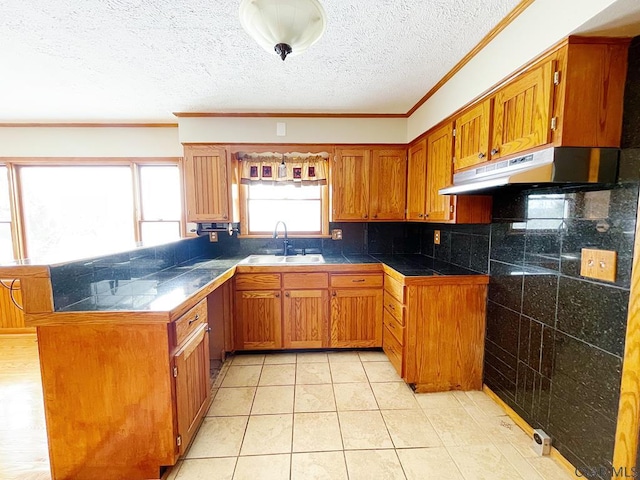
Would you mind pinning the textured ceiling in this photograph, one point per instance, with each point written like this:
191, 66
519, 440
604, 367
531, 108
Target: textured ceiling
141, 60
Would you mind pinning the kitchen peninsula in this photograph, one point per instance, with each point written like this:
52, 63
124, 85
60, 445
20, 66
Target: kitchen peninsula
124, 339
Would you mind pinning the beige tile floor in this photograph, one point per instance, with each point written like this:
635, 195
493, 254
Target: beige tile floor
348, 415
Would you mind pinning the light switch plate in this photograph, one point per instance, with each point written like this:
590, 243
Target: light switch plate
599, 264
336, 234
281, 129
436, 237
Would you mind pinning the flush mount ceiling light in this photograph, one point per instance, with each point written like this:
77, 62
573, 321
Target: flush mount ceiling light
286, 27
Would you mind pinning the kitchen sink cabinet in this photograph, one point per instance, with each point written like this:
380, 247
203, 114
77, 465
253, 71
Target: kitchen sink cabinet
306, 318
356, 310
258, 320
369, 184
207, 183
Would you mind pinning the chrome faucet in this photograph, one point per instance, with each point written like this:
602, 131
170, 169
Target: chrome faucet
286, 246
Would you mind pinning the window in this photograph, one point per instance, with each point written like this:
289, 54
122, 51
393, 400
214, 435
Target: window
85, 210
159, 203
6, 245
299, 206
77, 211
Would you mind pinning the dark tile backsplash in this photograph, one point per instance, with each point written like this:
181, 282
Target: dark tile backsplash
555, 340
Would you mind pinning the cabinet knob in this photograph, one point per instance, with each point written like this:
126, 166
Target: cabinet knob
420, 215
391, 306
481, 155
277, 295
224, 216
334, 294
195, 319
375, 215
365, 216
287, 294
494, 151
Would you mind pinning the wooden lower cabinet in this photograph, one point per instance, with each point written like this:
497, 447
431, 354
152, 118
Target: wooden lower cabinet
258, 320
445, 328
11, 317
306, 318
356, 317
193, 385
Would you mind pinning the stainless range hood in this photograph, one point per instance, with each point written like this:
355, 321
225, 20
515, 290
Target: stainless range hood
548, 167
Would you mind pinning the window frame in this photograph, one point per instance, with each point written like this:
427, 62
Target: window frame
15, 164
243, 204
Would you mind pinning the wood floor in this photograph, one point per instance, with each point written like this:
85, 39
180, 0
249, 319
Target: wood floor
23, 438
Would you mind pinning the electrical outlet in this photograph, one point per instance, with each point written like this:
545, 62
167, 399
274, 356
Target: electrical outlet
599, 264
436, 237
213, 237
336, 234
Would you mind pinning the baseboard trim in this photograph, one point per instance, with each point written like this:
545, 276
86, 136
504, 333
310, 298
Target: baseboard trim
528, 429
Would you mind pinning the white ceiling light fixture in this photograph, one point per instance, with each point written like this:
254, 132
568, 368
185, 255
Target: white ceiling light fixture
286, 27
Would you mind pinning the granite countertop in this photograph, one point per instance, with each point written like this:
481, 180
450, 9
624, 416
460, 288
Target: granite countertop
168, 288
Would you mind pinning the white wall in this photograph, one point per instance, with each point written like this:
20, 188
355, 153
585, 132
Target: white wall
539, 27
89, 142
298, 130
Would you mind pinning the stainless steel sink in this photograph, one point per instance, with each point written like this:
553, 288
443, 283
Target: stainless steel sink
280, 260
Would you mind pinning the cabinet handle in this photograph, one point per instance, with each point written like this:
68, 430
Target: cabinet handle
375, 215
334, 294
420, 215
365, 216
287, 294
358, 280
277, 295
209, 330
195, 319
481, 155
391, 306
494, 151
224, 216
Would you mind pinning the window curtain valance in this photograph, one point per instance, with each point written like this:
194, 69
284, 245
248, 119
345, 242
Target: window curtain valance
288, 168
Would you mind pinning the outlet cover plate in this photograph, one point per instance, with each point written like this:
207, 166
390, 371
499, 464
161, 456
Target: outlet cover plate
599, 264
213, 237
436, 237
336, 234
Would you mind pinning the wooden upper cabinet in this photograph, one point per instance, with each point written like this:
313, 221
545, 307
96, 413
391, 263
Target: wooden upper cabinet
522, 112
388, 183
439, 173
350, 182
417, 181
590, 92
472, 136
207, 183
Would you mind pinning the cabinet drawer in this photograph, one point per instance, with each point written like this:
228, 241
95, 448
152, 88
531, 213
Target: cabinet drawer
394, 327
190, 321
393, 349
394, 287
300, 281
257, 281
394, 307
362, 280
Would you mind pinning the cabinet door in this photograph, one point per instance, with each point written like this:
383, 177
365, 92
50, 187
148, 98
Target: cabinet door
388, 184
417, 181
439, 173
258, 317
472, 136
350, 182
356, 317
522, 112
306, 318
207, 184
193, 384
